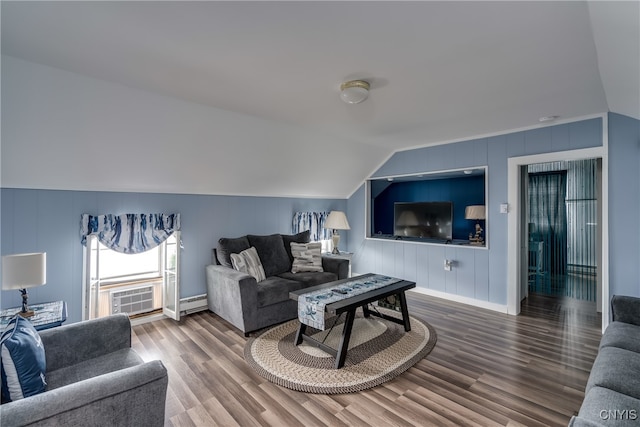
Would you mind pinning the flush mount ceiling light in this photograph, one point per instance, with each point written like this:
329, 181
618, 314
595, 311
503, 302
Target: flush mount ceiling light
354, 91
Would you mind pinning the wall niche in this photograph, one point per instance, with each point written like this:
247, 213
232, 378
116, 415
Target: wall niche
427, 207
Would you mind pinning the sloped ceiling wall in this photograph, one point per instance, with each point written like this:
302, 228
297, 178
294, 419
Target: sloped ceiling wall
66, 131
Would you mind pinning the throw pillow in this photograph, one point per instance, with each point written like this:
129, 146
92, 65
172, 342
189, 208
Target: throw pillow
272, 253
248, 262
306, 257
23, 360
302, 237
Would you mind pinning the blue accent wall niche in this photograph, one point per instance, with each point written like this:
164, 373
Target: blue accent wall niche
462, 192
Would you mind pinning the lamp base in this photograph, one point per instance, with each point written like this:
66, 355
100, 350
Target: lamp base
335, 238
27, 314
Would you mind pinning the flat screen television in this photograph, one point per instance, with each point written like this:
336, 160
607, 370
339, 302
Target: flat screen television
427, 220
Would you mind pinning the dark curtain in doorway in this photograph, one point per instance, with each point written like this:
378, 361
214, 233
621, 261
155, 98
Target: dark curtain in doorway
548, 218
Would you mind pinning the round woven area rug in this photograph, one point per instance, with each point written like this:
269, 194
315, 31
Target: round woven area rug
379, 350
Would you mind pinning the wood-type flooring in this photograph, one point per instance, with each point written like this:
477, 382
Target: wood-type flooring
486, 369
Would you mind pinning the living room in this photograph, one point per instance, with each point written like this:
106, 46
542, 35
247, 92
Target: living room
86, 137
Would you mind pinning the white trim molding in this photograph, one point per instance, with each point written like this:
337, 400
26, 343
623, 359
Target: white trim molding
500, 308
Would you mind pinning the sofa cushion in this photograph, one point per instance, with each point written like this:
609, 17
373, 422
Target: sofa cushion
275, 290
602, 406
302, 237
306, 257
576, 421
622, 335
23, 360
272, 253
626, 309
227, 246
616, 369
310, 278
110, 362
248, 262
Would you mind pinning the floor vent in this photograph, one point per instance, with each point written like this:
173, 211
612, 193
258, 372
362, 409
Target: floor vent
132, 301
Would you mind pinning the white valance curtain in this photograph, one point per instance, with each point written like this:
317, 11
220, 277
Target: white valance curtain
129, 233
314, 222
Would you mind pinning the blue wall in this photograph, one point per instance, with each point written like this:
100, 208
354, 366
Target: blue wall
461, 191
624, 205
479, 274
49, 221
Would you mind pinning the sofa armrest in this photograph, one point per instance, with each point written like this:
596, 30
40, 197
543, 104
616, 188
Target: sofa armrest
338, 266
582, 422
131, 396
71, 344
626, 309
233, 296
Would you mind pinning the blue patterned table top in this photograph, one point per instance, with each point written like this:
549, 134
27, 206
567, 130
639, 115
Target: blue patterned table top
311, 306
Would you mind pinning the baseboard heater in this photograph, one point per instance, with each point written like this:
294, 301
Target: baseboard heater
193, 304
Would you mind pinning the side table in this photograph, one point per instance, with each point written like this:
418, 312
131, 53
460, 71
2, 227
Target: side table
47, 315
341, 255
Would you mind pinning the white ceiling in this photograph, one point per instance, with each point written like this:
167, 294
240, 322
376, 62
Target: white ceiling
439, 71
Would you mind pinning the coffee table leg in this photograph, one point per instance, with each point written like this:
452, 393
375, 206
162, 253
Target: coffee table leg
302, 328
365, 310
405, 312
344, 341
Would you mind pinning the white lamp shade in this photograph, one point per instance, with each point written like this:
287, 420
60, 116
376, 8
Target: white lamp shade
337, 220
22, 271
474, 212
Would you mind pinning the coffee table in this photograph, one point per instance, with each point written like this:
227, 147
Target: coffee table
349, 305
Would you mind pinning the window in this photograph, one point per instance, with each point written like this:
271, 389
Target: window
117, 267
131, 283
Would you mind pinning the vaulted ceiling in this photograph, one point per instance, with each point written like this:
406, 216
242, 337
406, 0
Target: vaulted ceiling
439, 71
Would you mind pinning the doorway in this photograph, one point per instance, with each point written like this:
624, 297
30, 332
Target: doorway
518, 227
562, 229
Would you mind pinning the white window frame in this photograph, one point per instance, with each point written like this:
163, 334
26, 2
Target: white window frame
169, 272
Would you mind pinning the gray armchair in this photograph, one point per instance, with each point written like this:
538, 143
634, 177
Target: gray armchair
94, 378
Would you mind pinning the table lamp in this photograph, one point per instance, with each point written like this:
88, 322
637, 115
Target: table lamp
476, 212
338, 221
23, 271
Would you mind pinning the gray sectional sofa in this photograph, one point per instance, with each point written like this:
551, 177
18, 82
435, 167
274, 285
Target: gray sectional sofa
248, 305
612, 394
